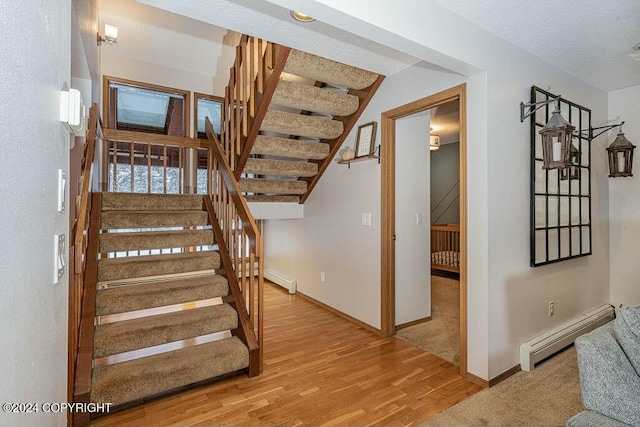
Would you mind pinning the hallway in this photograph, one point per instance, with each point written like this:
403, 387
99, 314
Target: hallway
319, 369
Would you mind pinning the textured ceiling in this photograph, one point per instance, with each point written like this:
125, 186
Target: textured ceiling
271, 22
590, 39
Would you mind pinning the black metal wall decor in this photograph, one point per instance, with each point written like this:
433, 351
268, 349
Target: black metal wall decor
560, 198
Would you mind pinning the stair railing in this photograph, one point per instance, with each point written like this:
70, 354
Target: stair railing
140, 162
254, 77
83, 265
242, 246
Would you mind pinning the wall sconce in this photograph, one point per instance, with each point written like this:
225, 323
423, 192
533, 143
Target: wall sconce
620, 154
556, 135
110, 35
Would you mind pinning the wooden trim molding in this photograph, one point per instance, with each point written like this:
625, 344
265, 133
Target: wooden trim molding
503, 376
413, 322
388, 172
476, 380
340, 313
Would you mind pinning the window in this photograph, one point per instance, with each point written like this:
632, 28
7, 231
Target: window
208, 106
142, 107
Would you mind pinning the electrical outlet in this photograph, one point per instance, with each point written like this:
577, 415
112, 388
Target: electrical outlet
322, 276
551, 308
366, 219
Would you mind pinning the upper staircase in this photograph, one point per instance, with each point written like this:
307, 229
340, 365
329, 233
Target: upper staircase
280, 147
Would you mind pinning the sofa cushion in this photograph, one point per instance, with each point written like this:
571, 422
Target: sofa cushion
593, 419
626, 326
610, 384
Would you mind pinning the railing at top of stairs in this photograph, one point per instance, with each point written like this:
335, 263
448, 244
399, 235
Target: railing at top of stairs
243, 249
254, 77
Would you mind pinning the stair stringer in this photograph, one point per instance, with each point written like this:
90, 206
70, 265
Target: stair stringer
348, 122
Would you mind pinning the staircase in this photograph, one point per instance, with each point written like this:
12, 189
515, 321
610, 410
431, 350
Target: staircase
308, 108
165, 314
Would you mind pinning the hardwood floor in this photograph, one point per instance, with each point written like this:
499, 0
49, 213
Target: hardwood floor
319, 369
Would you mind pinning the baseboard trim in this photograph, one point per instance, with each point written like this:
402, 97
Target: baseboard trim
339, 313
476, 380
503, 376
413, 322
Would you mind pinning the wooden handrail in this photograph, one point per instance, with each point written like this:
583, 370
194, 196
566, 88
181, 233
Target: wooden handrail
83, 285
233, 187
445, 227
131, 136
239, 241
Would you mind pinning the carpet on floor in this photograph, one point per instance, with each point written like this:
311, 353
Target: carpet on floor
547, 396
440, 335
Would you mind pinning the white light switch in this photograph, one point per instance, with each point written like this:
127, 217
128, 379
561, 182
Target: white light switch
366, 219
58, 257
62, 189
419, 218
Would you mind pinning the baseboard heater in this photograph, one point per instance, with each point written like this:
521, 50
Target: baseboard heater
281, 280
543, 346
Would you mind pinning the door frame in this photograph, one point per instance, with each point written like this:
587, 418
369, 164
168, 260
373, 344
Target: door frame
388, 253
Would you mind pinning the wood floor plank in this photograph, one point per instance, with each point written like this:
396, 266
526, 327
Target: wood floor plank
319, 369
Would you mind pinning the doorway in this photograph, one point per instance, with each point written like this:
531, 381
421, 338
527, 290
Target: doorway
388, 209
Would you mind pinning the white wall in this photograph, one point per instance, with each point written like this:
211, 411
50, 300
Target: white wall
624, 202
413, 269
35, 66
331, 238
507, 298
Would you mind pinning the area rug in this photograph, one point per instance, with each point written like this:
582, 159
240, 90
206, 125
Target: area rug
546, 396
440, 335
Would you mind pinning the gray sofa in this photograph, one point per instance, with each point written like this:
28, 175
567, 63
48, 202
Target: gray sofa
609, 365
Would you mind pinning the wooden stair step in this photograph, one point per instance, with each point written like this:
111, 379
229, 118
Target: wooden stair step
310, 98
325, 70
129, 381
280, 167
290, 148
135, 334
301, 125
153, 219
134, 241
272, 186
272, 199
150, 202
146, 295
156, 265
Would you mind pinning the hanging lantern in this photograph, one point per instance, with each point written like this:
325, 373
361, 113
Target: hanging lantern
573, 171
620, 156
556, 141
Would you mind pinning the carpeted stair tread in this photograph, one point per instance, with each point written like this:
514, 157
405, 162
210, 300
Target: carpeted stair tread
128, 381
156, 265
328, 71
149, 202
310, 98
291, 148
133, 241
272, 199
272, 186
301, 125
141, 296
129, 335
153, 219
280, 167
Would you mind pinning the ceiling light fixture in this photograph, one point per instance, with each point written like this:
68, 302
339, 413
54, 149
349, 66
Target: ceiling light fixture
110, 35
301, 17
